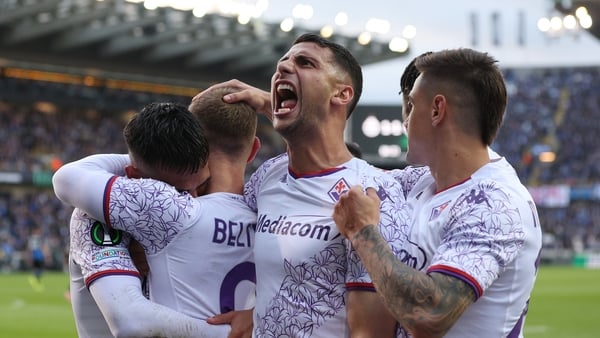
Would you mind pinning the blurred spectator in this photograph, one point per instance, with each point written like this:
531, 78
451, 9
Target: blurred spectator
46, 124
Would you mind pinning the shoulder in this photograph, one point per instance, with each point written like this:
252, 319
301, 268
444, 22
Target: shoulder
499, 178
131, 189
223, 200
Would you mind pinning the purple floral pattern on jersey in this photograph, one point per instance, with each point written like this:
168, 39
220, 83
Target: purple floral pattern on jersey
152, 211
394, 215
484, 216
408, 177
83, 249
310, 293
255, 181
313, 291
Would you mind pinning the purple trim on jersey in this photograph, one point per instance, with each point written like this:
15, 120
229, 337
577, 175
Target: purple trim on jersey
106, 200
450, 271
98, 275
516, 331
360, 286
453, 185
319, 173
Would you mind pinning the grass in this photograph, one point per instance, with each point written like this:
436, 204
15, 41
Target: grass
35, 313
564, 304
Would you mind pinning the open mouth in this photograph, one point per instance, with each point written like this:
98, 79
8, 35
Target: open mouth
286, 98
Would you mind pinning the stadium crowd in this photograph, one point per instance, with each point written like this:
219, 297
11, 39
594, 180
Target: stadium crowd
46, 124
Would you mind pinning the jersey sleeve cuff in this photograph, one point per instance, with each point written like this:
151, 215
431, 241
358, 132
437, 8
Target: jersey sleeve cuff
106, 200
360, 286
94, 277
450, 271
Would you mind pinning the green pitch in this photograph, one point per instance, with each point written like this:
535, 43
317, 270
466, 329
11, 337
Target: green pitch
564, 304
32, 310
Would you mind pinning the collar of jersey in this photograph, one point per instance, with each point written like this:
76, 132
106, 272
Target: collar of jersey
319, 173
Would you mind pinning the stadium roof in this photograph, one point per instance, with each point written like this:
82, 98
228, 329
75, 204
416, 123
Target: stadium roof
124, 40
593, 7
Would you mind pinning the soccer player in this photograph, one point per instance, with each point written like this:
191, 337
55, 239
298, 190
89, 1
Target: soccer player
309, 282
198, 249
35, 246
105, 287
475, 238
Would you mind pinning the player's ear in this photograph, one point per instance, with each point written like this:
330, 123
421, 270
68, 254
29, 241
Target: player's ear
255, 148
343, 95
132, 172
438, 112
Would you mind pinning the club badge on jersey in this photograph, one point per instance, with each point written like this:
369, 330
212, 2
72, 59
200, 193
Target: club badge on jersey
339, 188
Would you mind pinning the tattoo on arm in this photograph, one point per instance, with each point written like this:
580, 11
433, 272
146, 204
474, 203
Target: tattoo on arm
424, 304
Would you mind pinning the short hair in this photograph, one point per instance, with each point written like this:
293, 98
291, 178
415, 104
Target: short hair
477, 83
342, 58
167, 136
230, 127
354, 149
410, 75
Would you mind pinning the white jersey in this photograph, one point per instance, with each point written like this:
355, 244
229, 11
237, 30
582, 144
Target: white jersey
303, 264
94, 253
484, 231
199, 250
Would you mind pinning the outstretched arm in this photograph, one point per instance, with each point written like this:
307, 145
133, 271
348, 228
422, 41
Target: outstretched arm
129, 314
427, 305
82, 183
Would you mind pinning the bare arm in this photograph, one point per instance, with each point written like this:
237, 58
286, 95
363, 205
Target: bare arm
82, 183
427, 305
368, 316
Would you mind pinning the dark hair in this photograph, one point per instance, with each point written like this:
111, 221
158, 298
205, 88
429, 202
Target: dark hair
476, 82
344, 59
410, 75
354, 149
229, 127
167, 136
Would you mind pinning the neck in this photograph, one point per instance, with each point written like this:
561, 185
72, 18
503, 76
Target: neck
225, 175
313, 157
317, 141
457, 163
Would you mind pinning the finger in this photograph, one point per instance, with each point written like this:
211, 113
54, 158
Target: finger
224, 318
239, 334
358, 189
233, 97
338, 210
372, 193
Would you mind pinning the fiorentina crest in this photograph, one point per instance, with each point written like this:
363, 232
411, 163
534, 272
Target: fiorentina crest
340, 187
435, 212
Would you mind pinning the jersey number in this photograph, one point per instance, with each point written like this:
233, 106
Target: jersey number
241, 272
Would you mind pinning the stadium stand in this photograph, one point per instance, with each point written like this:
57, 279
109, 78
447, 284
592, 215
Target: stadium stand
46, 124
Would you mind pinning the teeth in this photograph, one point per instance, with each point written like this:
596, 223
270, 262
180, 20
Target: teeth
285, 86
